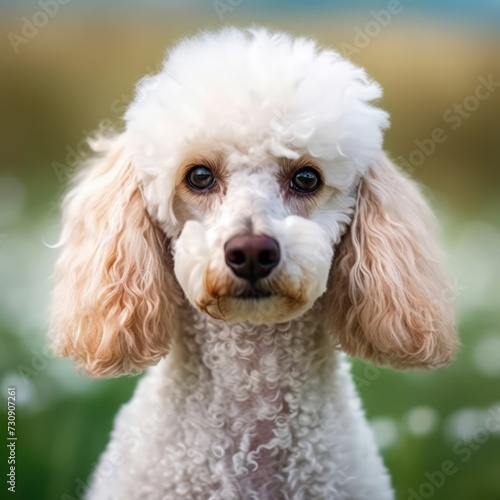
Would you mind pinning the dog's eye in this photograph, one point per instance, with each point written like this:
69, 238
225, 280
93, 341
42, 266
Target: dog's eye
305, 180
200, 178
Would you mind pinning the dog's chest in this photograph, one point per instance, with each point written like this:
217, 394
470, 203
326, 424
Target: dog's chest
244, 418
256, 388
262, 439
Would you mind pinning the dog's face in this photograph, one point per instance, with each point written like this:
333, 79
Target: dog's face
256, 234
250, 152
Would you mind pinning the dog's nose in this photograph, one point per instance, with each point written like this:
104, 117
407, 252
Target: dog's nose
252, 256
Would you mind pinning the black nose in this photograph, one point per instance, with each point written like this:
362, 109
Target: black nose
252, 256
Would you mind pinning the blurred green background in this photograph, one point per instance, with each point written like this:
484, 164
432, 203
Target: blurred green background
65, 73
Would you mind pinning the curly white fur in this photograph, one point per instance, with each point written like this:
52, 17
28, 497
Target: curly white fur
254, 399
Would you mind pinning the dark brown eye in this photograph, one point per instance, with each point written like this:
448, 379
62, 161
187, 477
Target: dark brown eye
200, 178
305, 180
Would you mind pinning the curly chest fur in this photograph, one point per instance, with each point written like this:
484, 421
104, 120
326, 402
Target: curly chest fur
242, 412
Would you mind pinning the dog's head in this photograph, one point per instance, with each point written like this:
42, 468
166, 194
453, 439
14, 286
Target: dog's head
255, 160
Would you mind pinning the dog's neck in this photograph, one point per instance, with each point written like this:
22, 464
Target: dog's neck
254, 388
249, 360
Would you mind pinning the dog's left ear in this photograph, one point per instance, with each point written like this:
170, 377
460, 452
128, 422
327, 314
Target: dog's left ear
391, 303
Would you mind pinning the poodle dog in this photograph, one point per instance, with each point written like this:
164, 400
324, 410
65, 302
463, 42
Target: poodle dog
241, 235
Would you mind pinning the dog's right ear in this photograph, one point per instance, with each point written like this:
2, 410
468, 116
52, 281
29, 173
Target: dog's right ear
115, 295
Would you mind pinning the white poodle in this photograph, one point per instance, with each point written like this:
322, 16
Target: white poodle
242, 231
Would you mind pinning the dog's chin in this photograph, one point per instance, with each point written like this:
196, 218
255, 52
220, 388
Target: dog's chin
256, 308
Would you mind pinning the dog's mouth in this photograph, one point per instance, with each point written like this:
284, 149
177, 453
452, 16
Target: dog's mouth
255, 303
253, 293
